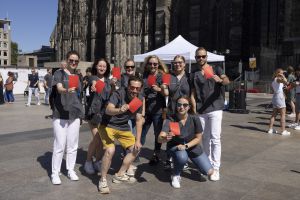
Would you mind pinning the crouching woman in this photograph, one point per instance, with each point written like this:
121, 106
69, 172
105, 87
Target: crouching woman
183, 132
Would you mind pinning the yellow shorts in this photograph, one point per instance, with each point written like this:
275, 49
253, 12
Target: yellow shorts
108, 136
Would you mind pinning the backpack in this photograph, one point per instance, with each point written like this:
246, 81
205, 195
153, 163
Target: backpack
54, 93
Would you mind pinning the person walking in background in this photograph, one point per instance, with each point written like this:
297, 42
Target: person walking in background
290, 97
33, 87
48, 85
9, 86
67, 112
184, 143
208, 97
278, 102
1, 90
94, 110
154, 101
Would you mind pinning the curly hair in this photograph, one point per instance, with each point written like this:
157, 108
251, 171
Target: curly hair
94, 67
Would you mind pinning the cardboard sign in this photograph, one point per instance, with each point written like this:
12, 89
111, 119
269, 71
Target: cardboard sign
99, 86
166, 79
135, 104
175, 128
116, 72
151, 80
73, 81
208, 72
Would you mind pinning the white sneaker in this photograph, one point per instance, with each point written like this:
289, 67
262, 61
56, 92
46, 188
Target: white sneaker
285, 133
72, 175
97, 166
103, 187
88, 167
292, 115
55, 179
293, 125
38, 103
215, 175
176, 181
272, 131
297, 127
28, 105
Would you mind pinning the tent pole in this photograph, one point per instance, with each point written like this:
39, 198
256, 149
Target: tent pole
190, 62
224, 67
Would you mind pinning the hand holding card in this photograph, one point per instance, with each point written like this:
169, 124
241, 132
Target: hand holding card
208, 72
175, 128
135, 104
151, 80
116, 72
73, 81
99, 86
166, 79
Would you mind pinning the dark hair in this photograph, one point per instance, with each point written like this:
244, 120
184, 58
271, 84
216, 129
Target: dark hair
191, 110
290, 69
199, 49
72, 52
94, 67
89, 69
135, 78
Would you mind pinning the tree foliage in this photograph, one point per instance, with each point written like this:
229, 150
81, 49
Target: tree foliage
14, 53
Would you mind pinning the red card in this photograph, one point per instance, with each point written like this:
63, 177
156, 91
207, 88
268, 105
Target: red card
174, 128
166, 79
151, 80
99, 86
73, 81
208, 72
116, 72
135, 104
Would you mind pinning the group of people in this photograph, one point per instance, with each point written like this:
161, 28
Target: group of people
185, 109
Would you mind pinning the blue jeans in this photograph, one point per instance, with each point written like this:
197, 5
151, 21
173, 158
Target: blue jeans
9, 96
132, 125
157, 121
180, 158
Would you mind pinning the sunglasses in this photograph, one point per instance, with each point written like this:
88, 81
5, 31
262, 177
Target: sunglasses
178, 63
185, 105
72, 61
134, 88
203, 56
128, 66
153, 64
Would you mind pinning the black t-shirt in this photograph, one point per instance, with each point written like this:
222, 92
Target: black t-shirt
66, 105
155, 101
120, 122
187, 132
33, 78
209, 94
48, 78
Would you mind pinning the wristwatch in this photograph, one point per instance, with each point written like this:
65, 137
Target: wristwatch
186, 146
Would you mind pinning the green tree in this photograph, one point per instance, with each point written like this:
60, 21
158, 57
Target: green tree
14, 53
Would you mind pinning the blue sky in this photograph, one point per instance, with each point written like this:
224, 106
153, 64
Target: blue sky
32, 21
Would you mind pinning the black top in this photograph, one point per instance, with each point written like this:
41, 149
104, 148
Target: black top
33, 78
155, 101
209, 94
177, 88
120, 122
48, 78
66, 105
187, 132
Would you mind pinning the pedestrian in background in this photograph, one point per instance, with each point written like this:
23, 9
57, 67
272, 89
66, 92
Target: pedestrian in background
278, 101
1, 90
290, 91
33, 87
48, 85
9, 86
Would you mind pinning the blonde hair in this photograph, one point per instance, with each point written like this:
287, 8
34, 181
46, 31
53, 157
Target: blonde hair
162, 68
277, 71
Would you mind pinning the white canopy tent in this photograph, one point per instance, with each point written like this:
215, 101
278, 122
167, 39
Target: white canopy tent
178, 46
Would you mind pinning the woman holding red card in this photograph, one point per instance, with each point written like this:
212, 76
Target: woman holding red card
67, 111
100, 90
183, 132
154, 101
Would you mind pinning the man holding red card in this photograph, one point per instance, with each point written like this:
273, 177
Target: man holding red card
115, 126
67, 111
207, 96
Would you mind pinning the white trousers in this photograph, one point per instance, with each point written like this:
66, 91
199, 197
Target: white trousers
212, 127
66, 135
35, 91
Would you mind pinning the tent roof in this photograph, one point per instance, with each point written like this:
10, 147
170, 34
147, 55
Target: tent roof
178, 46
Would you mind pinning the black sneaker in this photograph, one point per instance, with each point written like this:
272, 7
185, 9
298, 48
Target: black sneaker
154, 160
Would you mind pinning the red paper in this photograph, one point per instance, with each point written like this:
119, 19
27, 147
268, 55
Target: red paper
166, 79
116, 72
135, 104
208, 72
73, 81
151, 80
99, 86
174, 128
